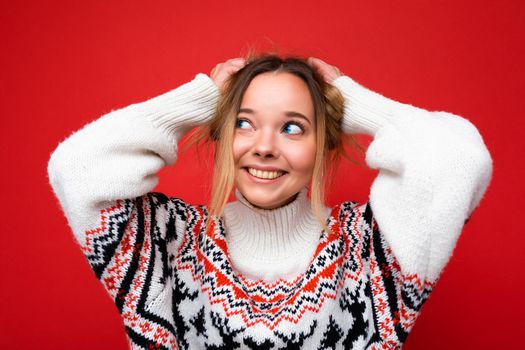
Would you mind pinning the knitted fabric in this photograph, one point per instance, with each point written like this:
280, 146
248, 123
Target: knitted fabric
178, 289
364, 282
263, 244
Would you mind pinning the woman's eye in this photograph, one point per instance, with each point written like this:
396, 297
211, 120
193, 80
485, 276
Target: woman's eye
242, 124
292, 129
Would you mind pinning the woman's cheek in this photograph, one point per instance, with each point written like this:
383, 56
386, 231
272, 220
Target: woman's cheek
302, 156
241, 145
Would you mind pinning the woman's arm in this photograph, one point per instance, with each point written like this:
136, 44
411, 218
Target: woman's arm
102, 176
433, 171
117, 156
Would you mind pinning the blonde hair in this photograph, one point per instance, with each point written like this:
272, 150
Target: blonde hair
328, 106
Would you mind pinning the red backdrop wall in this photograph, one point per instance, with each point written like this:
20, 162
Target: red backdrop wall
65, 63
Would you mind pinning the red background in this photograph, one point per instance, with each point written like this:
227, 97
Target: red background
65, 63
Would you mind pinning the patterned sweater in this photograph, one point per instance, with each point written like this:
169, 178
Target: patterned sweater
179, 286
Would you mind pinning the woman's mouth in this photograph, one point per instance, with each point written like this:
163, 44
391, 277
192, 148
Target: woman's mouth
264, 174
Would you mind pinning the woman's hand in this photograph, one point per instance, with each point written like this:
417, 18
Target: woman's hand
224, 70
328, 72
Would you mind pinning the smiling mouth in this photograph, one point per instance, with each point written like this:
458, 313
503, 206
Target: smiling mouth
263, 174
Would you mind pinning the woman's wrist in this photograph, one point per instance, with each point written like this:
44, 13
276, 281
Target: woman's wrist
356, 120
365, 111
179, 110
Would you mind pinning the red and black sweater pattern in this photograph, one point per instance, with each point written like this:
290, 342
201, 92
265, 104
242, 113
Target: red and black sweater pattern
174, 285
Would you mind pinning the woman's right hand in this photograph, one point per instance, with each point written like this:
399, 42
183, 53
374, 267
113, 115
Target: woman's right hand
224, 70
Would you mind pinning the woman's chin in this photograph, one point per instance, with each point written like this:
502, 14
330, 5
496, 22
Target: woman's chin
267, 203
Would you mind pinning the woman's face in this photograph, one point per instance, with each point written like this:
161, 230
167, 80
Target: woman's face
275, 140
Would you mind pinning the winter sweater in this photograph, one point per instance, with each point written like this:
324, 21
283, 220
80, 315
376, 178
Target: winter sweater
269, 279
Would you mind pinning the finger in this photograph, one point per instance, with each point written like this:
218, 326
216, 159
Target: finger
238, 60
316, 62
239, 64
232, 69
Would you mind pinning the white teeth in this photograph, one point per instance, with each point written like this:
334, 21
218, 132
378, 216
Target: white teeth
265, 174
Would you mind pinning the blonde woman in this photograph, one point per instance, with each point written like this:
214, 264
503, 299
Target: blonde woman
275, 269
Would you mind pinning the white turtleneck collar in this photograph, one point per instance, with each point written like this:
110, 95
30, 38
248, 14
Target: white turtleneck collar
271, 244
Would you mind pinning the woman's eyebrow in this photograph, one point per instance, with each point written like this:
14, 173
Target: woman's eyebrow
297, 114
246, 110
287, 113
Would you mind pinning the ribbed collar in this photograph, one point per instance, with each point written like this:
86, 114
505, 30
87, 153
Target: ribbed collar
271, 244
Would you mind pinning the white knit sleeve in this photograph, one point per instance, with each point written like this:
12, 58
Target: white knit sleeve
433, 171
117, 156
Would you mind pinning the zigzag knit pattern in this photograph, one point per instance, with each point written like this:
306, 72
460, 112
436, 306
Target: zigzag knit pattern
171, 279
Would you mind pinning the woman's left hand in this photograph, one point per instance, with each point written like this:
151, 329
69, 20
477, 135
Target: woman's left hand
328, 72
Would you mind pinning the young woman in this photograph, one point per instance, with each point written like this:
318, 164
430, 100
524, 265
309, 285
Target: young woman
273, 269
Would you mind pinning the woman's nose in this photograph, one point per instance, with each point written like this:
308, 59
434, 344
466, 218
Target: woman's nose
266, 145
